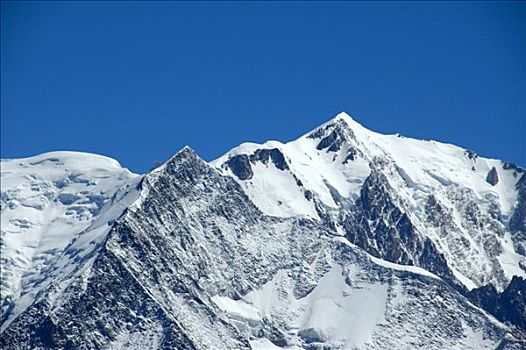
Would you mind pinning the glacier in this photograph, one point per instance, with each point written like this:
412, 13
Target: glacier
342, 239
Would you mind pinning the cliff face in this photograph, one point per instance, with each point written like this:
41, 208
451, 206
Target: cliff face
407, 201
271, 246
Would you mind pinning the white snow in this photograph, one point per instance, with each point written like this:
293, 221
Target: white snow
275, 191
416, 169
237, 309
278, 195
398, 267
56, 208
332, 312
509, 259
265, 344
343, 314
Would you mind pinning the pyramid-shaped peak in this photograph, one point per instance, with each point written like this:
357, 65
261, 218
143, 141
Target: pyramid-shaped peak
347, 119
342, 124
185, 152
184, 155
184, 163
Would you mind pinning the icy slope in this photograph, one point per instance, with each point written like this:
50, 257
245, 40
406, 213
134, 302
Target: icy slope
56, 208
444, 197
194, 264
342, 239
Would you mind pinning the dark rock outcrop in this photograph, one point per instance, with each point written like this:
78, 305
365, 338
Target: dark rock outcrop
332, 136
332, 142
508, 306
513, 303
274, 155
379, 226
517, 223
240, 166
493, 177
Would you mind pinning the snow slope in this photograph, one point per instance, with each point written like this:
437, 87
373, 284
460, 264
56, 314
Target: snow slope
341, 239
196, 265
55, 210
276, 192
426, 166
329, 165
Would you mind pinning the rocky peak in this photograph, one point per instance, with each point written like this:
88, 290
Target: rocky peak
333, 134
199, 245
185, 164
185, 153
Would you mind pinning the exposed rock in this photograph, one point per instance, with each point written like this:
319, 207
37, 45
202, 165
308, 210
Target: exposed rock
274, 155
517, 170
195, 235
517, 223
471, 155
240, 166
508, 306
513, 303
379, 226
332, 142
197, 262
351, 155
493, 177
333, 136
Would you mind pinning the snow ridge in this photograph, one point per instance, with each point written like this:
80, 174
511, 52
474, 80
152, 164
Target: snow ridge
329, 165
341, 239
57, 208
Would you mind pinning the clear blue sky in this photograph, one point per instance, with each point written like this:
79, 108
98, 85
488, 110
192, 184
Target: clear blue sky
137, 81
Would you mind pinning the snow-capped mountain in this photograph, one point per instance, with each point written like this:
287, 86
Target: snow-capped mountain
435, 190
56, 208
341, 239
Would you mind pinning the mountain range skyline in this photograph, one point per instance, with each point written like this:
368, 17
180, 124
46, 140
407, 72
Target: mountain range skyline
156, 162
338, 239
138, 81
262, 175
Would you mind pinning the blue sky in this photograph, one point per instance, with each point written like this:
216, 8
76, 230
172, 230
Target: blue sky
137, 81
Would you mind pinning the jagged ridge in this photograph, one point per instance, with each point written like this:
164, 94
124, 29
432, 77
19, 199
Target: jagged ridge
243, 253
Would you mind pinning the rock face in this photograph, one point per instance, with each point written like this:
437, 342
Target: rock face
56, 208
410, 202
350, 261
240, 166
493, 177
517, 222
509, 306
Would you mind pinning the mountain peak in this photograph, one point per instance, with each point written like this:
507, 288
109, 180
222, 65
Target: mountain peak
335, 132
185, 153
186, 163
341, 128
347, 119
344, 116
267, 238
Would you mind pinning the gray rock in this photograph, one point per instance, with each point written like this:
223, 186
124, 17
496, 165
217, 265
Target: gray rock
493, 177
